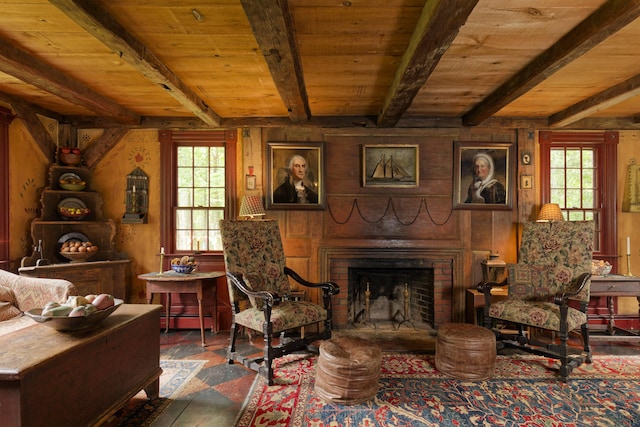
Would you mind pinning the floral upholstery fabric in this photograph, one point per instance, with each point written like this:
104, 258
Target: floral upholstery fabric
254, 250
284, 316
539, 314
552, 255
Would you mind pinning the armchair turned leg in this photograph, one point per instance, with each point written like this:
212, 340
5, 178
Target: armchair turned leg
585, 340
267, 369
232, 344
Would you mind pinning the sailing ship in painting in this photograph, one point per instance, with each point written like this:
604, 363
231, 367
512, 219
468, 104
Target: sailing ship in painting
388, 170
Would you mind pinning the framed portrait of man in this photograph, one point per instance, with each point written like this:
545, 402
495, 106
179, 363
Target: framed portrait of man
295, 175
483, 175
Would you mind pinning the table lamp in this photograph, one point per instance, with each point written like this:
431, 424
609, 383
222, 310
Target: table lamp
251, 206
550, 212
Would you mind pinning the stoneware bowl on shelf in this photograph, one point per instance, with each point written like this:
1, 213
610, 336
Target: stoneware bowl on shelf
183, 269
71, 213
71, 182
78, 256
73, 187
66, 323
70, 159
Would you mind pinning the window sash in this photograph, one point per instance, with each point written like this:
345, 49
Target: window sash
198, 171
599, 185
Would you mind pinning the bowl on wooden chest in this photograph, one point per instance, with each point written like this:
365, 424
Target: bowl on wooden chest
66, 323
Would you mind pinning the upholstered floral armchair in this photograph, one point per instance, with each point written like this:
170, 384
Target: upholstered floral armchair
259, 291
553, 269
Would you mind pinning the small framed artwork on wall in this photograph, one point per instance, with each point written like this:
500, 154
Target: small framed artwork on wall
483, 175
526, 182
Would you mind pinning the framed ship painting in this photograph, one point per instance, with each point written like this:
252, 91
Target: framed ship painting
390, 165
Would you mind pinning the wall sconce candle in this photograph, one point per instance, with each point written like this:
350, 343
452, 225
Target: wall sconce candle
136, 198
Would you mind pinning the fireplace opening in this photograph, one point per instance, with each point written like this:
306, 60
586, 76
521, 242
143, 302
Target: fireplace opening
391, 294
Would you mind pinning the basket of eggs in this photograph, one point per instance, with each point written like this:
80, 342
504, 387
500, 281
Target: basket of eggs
78, 251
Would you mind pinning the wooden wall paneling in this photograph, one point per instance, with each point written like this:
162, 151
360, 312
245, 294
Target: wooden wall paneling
526, 199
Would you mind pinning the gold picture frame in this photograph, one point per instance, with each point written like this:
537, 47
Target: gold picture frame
282, 186
484, 174
390, 165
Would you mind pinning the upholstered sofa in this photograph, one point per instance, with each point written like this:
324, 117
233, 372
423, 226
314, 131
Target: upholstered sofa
19, 294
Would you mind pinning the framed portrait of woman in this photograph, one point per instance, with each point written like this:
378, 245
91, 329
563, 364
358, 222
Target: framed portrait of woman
295, 175
483, 175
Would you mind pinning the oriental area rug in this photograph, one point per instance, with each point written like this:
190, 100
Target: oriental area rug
140, 411
523, 392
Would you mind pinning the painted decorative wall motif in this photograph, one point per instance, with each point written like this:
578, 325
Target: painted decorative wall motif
631, 199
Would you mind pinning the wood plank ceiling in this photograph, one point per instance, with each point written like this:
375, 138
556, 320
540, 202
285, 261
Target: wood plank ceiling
372, 63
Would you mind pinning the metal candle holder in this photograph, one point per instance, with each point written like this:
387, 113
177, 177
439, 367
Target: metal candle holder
629, 265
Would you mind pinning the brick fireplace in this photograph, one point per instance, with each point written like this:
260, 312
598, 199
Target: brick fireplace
427, 274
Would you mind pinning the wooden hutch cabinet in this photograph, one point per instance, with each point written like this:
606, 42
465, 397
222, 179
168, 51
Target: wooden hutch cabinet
106, 271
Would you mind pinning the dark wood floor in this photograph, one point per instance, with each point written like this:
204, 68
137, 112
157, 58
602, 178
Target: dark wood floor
216, 396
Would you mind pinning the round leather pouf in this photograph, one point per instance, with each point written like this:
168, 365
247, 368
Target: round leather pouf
348, 370
466, 351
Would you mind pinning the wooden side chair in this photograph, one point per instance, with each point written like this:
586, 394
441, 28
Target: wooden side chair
260, 294
554, 268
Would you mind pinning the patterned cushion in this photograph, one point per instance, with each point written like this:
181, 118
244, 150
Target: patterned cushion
286, 315
529, 281
8, 309
538, 314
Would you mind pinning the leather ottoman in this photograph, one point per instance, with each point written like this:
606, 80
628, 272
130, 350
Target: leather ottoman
466, 351
348, 370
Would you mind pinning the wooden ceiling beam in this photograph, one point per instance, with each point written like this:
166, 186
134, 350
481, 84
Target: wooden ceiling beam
437, 27
611, 17
102, 145
37, 130
351, 122
598, 102
103, 27
272, 27
21, 65
12, 100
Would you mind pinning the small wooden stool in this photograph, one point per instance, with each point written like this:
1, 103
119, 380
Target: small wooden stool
348, 370
466, 351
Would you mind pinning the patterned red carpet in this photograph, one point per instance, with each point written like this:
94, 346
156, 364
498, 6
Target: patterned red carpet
523, 391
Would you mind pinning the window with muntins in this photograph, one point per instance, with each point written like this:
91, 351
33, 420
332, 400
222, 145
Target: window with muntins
198, 185
201, 197
578, 172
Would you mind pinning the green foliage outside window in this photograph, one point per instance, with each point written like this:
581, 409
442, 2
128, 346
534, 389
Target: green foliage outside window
201, 197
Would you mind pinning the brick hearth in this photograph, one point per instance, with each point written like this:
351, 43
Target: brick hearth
448, 299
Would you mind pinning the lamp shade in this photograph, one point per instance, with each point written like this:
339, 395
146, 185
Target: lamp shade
251, 206
550, 212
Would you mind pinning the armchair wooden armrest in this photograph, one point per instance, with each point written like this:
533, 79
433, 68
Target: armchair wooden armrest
271, 298
328, 287
577, 286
